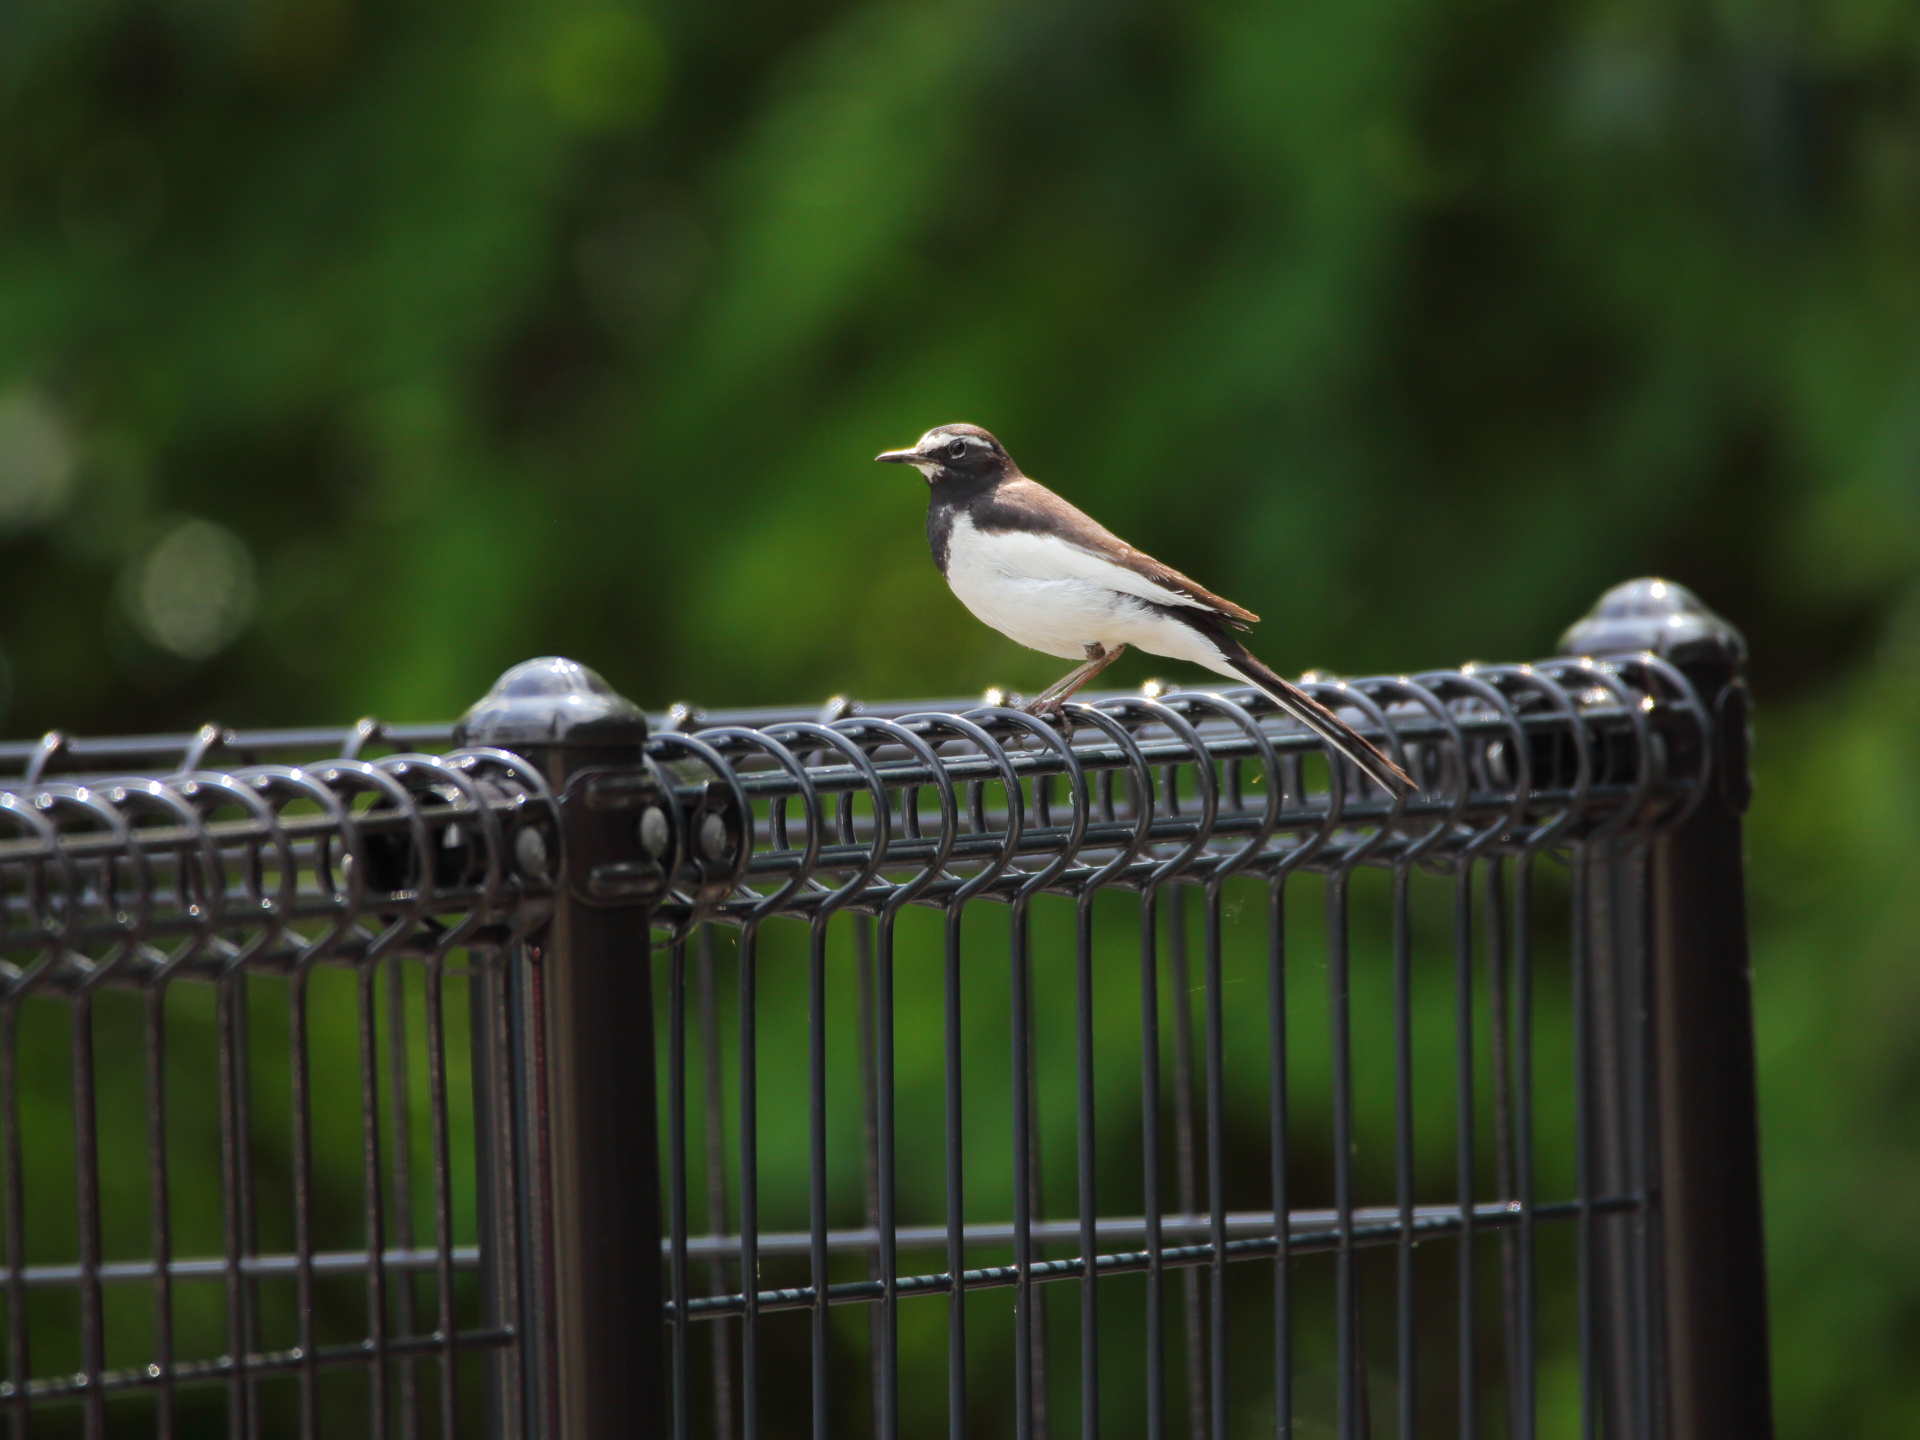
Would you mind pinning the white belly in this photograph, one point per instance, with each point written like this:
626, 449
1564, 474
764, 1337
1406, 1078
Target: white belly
1038, 591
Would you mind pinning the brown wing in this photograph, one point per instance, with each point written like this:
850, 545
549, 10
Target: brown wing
1023, 504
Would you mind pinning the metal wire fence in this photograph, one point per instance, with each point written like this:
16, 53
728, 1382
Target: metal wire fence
575, 1074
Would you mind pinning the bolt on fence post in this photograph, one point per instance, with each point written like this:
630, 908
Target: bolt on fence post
1709, 1263
581, 1022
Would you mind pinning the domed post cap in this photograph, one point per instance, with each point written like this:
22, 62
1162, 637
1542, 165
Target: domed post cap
1657, 615
552, 701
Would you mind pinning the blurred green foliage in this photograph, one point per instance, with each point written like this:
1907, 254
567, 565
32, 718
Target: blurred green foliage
483, 330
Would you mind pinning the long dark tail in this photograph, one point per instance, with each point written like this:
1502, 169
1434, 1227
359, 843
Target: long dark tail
1320, 720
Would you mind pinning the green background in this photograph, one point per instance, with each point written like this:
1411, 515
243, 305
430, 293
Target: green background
495, 329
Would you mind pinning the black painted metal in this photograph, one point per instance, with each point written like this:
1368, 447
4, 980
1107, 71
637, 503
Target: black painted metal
574, 854
1701, 1105
595, 1331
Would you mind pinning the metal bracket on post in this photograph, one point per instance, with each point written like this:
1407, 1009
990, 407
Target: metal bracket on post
1709, 1262
587, 1298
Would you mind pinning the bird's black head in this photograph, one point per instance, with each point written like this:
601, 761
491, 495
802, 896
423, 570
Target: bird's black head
947, 453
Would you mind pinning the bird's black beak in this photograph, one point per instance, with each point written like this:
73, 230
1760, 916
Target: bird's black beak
897, 457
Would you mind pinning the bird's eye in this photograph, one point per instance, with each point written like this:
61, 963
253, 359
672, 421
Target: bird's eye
957, 449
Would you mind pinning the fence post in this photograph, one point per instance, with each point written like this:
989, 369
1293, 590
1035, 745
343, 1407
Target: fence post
590, 1311
1710, 1261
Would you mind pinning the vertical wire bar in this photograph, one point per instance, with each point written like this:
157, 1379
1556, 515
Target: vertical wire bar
720, 1336
1525, 1409
748, 957
1609, 1004
677, 1183
817, 1169
1036, 1191
1023, 1288
1630, 880
1185, 1188
1036, 1306
400, 1147
298, 1060
545, 1363
869, 1141
1277, 1156
1150, 1162
1583, 1137
86, 1166
159, 1211
1084, 1166
1406, 1354
956, 1193
499, 1013
1216, 1164
1494, 902
371, 1199
1346, 1278
18, 1354
229, 997
243, 1158
1464, 1135
884, 1175
442, 1193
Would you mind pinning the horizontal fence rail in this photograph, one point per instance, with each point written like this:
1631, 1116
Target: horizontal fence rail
328, 1064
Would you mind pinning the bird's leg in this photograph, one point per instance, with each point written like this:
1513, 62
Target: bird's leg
1056, 695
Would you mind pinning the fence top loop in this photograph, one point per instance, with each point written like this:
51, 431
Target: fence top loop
1465, 689
1050, 737
1142, 775
1599, 684
710, 897
964, 727
1409, 691
199, 878
831, 899
740, 737
410, 903
1238, 716
127, 927
282, 864
899, 893
1345, 776
1530, 683
1155, 712
1688, 698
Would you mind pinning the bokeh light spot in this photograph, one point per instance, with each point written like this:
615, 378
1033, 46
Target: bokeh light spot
36, 458
192, 593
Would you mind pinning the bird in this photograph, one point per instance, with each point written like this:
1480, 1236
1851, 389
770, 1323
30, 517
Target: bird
1049, 576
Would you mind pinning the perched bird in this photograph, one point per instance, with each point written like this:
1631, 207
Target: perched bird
1042, 573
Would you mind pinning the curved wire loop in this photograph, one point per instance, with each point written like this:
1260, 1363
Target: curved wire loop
1145, 711
1221, 866
1595, 685
197, 878
138, 878
1498, 739
1019, 722
1508, 757
1664, 681
713, 879
1128, 851
829, 899
879, 732
1440, 766
965, 730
